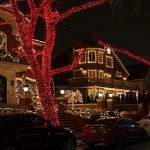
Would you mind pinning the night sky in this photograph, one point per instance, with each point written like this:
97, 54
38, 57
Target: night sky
131, 30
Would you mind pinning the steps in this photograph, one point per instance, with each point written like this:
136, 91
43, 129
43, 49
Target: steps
66, 122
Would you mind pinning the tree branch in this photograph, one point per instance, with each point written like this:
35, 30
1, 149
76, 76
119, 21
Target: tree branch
79, 8
32, 5
15, 10
124, 51
69, 67
19, 52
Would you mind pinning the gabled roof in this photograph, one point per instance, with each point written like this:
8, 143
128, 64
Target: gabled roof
137, 71
88, 42
120, 62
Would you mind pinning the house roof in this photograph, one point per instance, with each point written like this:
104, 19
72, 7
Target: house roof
137, 71
88, 42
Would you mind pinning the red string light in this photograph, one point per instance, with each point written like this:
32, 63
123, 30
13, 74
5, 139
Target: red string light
43, 75
125, 51
26, 27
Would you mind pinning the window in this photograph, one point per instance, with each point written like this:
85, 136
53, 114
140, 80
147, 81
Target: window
39, 122
22, 122
109, 61
91, 57
100, 74
100, 57
121, 122
92, 74
129, 122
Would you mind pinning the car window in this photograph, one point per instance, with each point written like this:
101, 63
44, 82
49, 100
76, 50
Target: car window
105, 121
121, 122
129, 122
39, 122
22, 122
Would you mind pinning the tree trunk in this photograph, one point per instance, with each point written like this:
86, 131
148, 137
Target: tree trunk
48, 105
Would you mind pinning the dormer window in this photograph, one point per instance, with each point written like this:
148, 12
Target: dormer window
100, 57
91, 57
109, 62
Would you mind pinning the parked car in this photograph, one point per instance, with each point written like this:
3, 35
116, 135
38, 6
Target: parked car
116, 131
28, 131
145, 123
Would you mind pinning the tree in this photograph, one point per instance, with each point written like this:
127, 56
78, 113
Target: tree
26, 25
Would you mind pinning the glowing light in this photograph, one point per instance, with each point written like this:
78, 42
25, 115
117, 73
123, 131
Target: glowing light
43, 73
108, 50
124, 51
62, 92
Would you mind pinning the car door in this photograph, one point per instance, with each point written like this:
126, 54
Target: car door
31, 131
50, 136
130, 129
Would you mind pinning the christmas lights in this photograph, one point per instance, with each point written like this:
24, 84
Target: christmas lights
43, 75
124, 51
26, 26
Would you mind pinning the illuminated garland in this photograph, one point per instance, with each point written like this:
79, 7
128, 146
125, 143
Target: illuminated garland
79, 8
26, 27
32, 91
8, 54
124, 51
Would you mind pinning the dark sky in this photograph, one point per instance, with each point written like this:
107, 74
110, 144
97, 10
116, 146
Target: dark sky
131, 30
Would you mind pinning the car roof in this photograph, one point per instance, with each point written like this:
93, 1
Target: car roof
18, 114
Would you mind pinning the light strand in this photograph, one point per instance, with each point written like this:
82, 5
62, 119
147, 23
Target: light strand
125, 51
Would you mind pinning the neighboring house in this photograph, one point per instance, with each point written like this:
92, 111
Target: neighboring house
99, 71
140, 75
14, 70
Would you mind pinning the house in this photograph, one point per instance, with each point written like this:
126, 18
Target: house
15, 73
99, 71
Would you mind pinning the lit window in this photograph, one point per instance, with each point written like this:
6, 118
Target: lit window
107, 75
91, 57
92, 74
100, 74
109, 61
100, 57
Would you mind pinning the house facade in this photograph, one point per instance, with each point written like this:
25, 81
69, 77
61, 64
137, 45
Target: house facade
15, 72
99, 71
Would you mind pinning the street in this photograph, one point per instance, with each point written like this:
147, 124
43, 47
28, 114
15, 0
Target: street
133, 146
